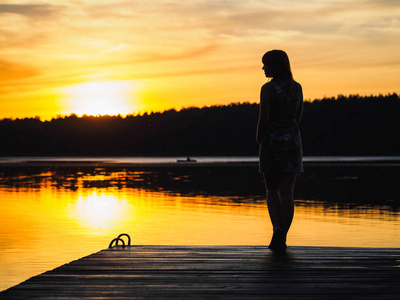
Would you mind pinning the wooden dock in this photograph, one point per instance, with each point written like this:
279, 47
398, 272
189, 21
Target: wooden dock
220, 272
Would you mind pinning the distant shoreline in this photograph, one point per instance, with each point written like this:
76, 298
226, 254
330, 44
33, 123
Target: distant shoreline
204, 162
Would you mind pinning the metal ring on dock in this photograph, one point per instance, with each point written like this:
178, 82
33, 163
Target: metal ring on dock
127, 235
116, 240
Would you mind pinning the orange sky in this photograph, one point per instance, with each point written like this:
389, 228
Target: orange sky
96, 57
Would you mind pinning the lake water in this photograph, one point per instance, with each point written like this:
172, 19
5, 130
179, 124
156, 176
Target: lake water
52, 215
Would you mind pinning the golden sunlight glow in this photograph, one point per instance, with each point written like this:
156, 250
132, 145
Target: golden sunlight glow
218, 61
101, 98
99, 211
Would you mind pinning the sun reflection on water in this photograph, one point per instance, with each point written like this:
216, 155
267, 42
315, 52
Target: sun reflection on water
100, 211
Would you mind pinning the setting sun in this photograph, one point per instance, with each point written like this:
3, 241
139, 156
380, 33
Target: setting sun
101, 98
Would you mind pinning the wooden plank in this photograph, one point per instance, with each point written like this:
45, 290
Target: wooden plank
223, 272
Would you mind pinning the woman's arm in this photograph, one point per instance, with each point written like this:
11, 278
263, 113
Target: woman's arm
300, 109
263, 118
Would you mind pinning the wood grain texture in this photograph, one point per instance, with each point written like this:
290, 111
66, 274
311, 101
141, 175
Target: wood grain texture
220, 272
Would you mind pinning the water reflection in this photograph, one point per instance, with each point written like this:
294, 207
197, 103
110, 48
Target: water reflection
352, 185
99, 211
52, 216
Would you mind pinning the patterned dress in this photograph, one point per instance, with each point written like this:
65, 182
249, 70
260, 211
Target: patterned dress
280, 147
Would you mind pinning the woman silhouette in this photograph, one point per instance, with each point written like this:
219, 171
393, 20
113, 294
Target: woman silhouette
281, 107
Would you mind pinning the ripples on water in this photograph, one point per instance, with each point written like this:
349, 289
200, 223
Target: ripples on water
51, 216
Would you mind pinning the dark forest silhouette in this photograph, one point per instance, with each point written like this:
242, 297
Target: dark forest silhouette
345, 125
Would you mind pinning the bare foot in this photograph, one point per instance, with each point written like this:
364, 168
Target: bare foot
278, 242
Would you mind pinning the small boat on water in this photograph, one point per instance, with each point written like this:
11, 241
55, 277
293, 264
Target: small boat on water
188, 159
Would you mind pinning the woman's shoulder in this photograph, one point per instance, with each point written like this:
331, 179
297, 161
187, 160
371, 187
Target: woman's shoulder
266, 89
279, 87
267, 85
297, 85
270, 86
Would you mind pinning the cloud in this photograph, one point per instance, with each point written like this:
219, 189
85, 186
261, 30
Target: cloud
29, 10
11, 71
383, 3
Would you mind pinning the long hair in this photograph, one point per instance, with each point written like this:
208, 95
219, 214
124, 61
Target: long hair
278, 63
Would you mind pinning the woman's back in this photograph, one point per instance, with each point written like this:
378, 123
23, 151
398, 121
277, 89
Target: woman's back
284, 103
280, 149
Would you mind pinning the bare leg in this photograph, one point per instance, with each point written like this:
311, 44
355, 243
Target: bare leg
280, 206
287, 202
273, 202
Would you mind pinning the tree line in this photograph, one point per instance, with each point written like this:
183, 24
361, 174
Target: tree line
342, 125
